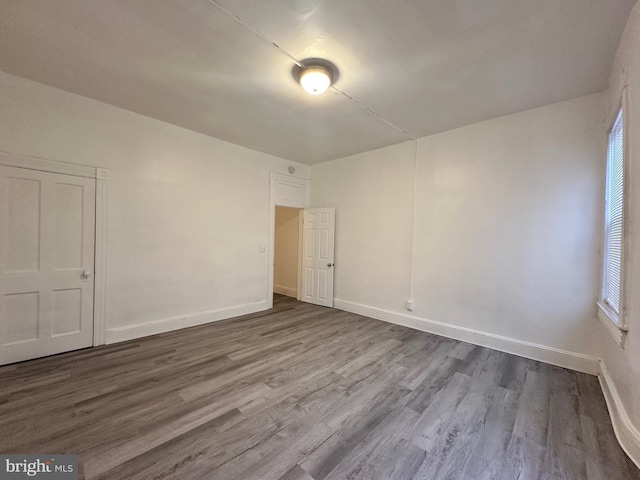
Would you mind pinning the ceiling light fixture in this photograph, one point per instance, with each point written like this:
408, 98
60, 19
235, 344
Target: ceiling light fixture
315, 79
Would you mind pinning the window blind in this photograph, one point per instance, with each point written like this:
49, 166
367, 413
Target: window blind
614, 216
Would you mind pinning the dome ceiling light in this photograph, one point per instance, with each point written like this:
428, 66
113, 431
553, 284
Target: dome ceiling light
315, 79
315, 75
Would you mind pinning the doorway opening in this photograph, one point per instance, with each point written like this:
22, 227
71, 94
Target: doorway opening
287, 251
312, 264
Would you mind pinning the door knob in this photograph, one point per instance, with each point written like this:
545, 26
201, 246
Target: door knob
85, 275
330, 265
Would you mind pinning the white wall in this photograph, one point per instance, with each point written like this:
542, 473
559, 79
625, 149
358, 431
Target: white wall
507, 227
187, 213
285, 271
624, 364
372, 193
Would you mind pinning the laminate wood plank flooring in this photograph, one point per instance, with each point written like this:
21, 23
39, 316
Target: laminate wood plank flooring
302, 392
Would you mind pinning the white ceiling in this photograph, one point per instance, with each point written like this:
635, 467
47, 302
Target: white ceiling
424, 66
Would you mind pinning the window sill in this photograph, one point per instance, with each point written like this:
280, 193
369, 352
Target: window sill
610, 320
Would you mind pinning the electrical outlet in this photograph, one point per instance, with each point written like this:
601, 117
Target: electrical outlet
410, 305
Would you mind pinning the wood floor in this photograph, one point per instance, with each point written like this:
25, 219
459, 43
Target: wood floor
303, 392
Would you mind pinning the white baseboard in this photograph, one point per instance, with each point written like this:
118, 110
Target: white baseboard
129, 332
627, 434
288, 291
554, 356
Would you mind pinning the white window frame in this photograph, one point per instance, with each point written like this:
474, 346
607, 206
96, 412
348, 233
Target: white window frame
617, 323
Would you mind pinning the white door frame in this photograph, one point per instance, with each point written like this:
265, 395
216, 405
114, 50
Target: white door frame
284, 191
101, 176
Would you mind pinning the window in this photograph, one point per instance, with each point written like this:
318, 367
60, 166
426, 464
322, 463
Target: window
614, 215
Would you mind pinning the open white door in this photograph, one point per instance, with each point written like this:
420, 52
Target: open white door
317, 255
47, 228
